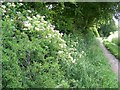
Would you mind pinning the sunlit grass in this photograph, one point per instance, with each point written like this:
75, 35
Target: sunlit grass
92, 68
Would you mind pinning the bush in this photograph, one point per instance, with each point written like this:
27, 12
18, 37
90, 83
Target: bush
34, 54
106, 29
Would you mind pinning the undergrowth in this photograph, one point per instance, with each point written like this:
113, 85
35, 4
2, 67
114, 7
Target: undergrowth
91, 68
35, 55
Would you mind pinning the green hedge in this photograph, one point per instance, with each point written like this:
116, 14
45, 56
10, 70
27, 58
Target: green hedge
35, 55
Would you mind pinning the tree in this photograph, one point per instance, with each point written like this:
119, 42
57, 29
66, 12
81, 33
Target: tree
70, 16
105, 30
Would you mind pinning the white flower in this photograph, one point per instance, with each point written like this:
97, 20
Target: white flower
13, 4
51, 27
45, 22
18, 12
46, 37
38, 16
49, 35
71, 45
80, 55
8, 9
25, 29
75, 43
62, 40
82, 52
42, 18
7, 16
8, 3
60, 52
29, 18
34, 17
28, 25
29, 11
57, 31
50, 6
73, 61
46, 46
11, 20
43, 28
20, 4
69, 55
3, 6
4, 11
72, 49
25, 22
37, 29
62, 45
36, 22
71, 58
61, 34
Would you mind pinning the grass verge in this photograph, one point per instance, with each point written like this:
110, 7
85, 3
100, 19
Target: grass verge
113, 48
91, 68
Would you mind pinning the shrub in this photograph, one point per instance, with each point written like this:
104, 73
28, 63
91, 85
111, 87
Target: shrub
34, 54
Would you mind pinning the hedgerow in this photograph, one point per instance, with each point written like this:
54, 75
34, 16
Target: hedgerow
35, 55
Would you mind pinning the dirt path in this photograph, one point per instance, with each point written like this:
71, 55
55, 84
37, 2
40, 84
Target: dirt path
114, 63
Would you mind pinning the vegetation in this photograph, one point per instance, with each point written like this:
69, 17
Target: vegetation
113, 44
105, 30
37, 54
71, 16
114, 49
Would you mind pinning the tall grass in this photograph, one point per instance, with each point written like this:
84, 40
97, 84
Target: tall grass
91, 68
